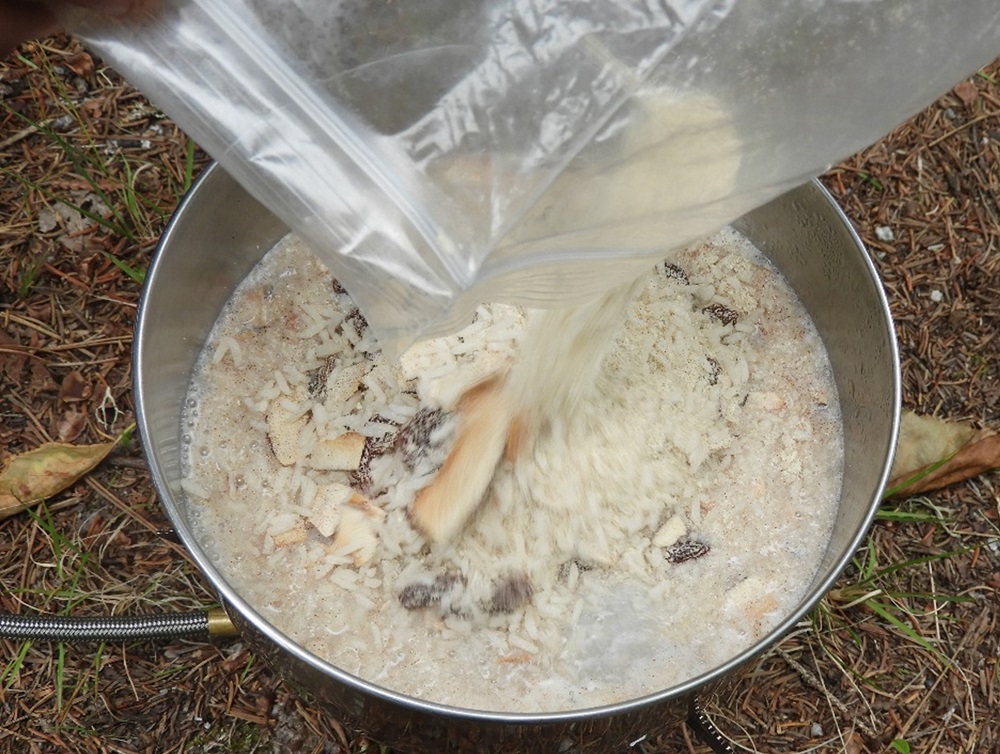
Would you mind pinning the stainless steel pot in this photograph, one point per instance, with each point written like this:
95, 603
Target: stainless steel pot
219, 233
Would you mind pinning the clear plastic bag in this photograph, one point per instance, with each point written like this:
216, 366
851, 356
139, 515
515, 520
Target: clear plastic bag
438, 153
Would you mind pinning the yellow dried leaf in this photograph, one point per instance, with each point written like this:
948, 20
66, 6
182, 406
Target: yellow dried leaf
924, 440
935, 453
28, 478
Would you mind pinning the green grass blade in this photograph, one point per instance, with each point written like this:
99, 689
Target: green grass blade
917, 477
136, 274
60, 673
904, 628
949, 598
907, 517
10, 673
128, 194
888, 570
115, 227
189, 165
84, 165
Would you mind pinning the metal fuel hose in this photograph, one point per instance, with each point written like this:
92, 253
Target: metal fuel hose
201, 623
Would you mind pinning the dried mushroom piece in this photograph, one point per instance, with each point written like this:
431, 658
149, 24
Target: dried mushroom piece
327, 507
355, 536
423, 594
418, 436
687, 549
509, 594
295, 534
418, 596
284, 429
316, 378
341, 385
361, 477
722, 313
354, 320
674, 272
566, 567
341, 453
714, 370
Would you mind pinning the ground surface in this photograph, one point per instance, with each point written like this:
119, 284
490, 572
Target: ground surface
902, 656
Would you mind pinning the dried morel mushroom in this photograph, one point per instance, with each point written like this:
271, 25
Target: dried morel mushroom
509, 594
357, 320
714, 371
422, 594
361, 477
722, 313
418, 596
674, 272
564, 568
414, 438
317, 377
686, 549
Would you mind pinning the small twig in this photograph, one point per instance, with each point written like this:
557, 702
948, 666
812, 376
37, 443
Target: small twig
26, 351
30, 351
127, 462
930, 692
952, 132
121, 505
23, 133
811, 680
34, 325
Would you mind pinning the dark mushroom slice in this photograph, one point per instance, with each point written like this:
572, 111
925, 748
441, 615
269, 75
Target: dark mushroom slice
722, 313
509, 594
687, 549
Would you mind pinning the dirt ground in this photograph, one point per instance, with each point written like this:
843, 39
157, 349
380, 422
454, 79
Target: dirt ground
902, 656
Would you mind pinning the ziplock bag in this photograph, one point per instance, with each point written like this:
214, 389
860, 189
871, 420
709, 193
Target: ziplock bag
440, 153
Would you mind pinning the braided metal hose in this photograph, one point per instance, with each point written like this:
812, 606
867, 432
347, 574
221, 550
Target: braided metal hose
118, 628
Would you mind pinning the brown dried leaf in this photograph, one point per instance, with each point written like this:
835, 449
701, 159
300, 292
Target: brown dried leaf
74, 388
967, 92
71, 425
40, 378
935, 453
854, 744
81, 63
31, 477
12, 359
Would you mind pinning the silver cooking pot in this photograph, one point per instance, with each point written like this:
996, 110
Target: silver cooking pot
219, 233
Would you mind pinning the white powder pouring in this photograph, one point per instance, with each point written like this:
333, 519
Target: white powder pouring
620, 201
664, 525
508, 414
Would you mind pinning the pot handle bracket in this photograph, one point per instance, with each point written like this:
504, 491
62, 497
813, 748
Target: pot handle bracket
705, 729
